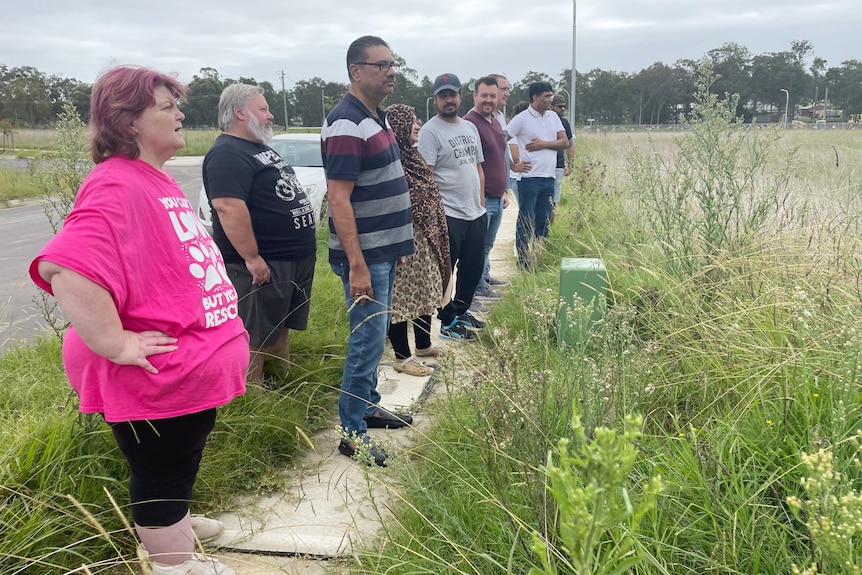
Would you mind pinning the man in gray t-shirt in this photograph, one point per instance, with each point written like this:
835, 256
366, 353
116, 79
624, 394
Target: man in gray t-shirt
452, 148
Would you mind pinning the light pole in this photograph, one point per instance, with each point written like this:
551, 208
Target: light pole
284, 100
786, 105
566, 92
427, 103
574, 73
322, 106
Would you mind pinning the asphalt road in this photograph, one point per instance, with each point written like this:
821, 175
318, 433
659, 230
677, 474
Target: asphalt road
24, 231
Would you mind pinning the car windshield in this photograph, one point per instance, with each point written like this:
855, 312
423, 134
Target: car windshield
298, 152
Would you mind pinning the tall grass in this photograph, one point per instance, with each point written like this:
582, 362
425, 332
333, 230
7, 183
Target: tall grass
732, 327
17, 185
60, 470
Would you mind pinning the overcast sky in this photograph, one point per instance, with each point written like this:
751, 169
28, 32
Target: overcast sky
307, 38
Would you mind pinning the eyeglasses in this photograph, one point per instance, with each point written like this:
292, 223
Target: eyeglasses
561, 106
383, 66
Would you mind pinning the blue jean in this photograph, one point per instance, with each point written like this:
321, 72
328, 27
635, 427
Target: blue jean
369, 324
558, 184
494, 209
534, 213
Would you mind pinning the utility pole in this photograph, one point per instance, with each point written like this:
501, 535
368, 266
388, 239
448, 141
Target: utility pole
284, 99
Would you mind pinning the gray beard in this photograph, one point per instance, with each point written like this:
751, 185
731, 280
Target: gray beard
262, 133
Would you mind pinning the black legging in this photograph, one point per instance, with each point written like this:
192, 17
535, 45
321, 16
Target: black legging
398, 336
164, 456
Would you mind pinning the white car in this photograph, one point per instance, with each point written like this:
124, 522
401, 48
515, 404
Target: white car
302, 152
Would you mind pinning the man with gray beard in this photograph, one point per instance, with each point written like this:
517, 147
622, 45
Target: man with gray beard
263, 223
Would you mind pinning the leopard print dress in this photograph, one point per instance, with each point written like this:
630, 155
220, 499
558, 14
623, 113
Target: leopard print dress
418, 290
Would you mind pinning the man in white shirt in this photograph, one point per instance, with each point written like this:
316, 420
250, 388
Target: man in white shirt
539, 132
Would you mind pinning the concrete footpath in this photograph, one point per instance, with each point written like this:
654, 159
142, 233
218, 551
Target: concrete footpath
331, 506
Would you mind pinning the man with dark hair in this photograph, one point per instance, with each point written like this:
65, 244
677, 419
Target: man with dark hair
484, 117
452, 148
565, 157
370, 227
539, 132
263, 223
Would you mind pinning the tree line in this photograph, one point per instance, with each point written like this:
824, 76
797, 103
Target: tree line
658, 94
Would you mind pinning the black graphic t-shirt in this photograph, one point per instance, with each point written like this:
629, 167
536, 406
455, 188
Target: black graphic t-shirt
282, 217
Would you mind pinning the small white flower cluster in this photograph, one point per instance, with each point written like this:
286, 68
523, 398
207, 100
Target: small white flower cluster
833, 519
801, 309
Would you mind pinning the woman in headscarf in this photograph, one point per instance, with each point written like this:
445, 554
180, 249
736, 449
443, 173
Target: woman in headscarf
421, 281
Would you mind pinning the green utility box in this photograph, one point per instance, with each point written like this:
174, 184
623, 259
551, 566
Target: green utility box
583, 279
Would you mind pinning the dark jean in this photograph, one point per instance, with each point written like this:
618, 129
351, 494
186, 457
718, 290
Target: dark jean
466, 244
534, 213
369, 324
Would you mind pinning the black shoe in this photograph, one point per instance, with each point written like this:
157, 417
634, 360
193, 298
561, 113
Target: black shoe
479, 307
377, 454
467, 319
386, 420
495, 282
486, 293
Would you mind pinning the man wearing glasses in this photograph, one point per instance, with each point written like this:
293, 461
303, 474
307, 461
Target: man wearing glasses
566, 157
370, 227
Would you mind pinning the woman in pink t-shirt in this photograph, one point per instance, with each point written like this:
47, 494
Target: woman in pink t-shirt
155, 343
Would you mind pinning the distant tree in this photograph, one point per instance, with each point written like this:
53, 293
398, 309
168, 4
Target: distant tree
655, 91
204, 92
605, 97
521, 89
801, 49
732, 67
26, 96
817, 69
656, 94
314, 98
407, 88
774, 71
845, 87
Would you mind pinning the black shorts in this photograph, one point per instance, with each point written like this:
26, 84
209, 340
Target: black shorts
282, 303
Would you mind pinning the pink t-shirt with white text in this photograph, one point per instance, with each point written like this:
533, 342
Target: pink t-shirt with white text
133, 232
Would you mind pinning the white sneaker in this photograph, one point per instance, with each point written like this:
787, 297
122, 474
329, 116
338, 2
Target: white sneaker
206, 529
195, 565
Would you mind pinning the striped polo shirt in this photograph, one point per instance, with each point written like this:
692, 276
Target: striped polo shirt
360, 148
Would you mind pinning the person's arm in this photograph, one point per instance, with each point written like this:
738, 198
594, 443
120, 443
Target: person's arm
344, 220
91, 309
517, 165
570, 157
236, 222
536, 144
481, 185
515, 153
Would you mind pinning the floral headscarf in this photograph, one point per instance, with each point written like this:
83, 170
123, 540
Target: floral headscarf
428, 212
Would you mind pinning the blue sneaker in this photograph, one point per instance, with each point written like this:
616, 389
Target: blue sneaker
457, 330
467, 319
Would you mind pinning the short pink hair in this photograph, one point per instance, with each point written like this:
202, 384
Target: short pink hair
119, 97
